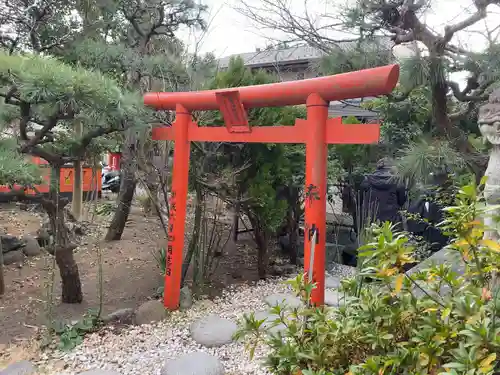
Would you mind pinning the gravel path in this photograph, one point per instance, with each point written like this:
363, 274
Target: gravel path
143, 350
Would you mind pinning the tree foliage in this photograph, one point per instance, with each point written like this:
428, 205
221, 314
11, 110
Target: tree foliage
16, 169
49, 97
436, 55
437, 320
43, 100
267, 167
262, 169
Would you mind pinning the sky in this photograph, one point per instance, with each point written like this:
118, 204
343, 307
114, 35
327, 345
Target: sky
231, 33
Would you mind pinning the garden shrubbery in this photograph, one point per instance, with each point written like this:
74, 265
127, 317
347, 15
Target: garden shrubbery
435, 321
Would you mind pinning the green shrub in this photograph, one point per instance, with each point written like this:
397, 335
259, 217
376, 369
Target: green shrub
161, 261
435, 321
72, 334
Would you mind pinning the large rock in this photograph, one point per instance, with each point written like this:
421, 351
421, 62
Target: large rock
288, 300
213, 331
19, 368
334, 298
333, 251
10, 243
197, 363
12, 257
443, 256
31, 247
332, 282
269, 323
150, 312
122, 316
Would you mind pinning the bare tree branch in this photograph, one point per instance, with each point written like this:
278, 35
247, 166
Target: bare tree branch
277, 16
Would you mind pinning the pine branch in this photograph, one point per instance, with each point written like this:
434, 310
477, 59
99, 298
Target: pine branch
481, 5
20, 195
470, 107
80, 149
477, 96
399, 97
40, 152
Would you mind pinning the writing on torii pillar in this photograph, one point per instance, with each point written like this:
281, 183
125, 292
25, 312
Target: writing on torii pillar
317, 131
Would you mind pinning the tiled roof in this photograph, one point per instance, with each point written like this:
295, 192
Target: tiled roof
270, 57
281, 56
351, 107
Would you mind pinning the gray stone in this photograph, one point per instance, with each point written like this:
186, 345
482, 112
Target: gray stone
269, 323
344, 236
19, 368
43, 237
333, 251
99, 372
443, 256
32, 247
332, 282
12, 257
351, 249
150, 312
10, 243
213, 331
300, 247
75, 228
282, 269
283, 299
197, 363
123, 316
334, 298
186, 298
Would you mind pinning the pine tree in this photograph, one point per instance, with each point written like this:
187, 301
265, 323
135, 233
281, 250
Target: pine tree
43, 99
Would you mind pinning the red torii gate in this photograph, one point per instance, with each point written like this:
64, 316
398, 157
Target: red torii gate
317, 131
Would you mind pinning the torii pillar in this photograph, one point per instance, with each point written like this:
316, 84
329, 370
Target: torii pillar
317, 131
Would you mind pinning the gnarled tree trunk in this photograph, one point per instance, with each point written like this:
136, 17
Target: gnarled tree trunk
127, 190
261, 237
63, 251
63, 248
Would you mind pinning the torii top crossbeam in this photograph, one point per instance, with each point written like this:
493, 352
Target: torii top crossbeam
317, 131
363, 83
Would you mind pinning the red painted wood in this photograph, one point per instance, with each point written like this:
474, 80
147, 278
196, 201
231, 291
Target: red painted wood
336, 133
363, 83
233, 112
315, 203
176, 222
317, 131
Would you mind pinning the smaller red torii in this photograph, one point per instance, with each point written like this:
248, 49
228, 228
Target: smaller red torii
317, 131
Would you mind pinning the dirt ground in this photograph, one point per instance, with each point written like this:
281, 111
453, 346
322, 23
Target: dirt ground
130, 273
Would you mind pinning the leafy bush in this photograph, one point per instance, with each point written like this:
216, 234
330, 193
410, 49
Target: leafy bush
436, 321
72, 334
161, 261
105, 209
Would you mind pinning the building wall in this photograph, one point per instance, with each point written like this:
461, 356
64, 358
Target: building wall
292, 76
290, 72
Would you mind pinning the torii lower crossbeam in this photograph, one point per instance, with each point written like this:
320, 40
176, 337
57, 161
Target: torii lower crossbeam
316, 131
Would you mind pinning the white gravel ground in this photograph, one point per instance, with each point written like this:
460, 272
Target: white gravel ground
143, 350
